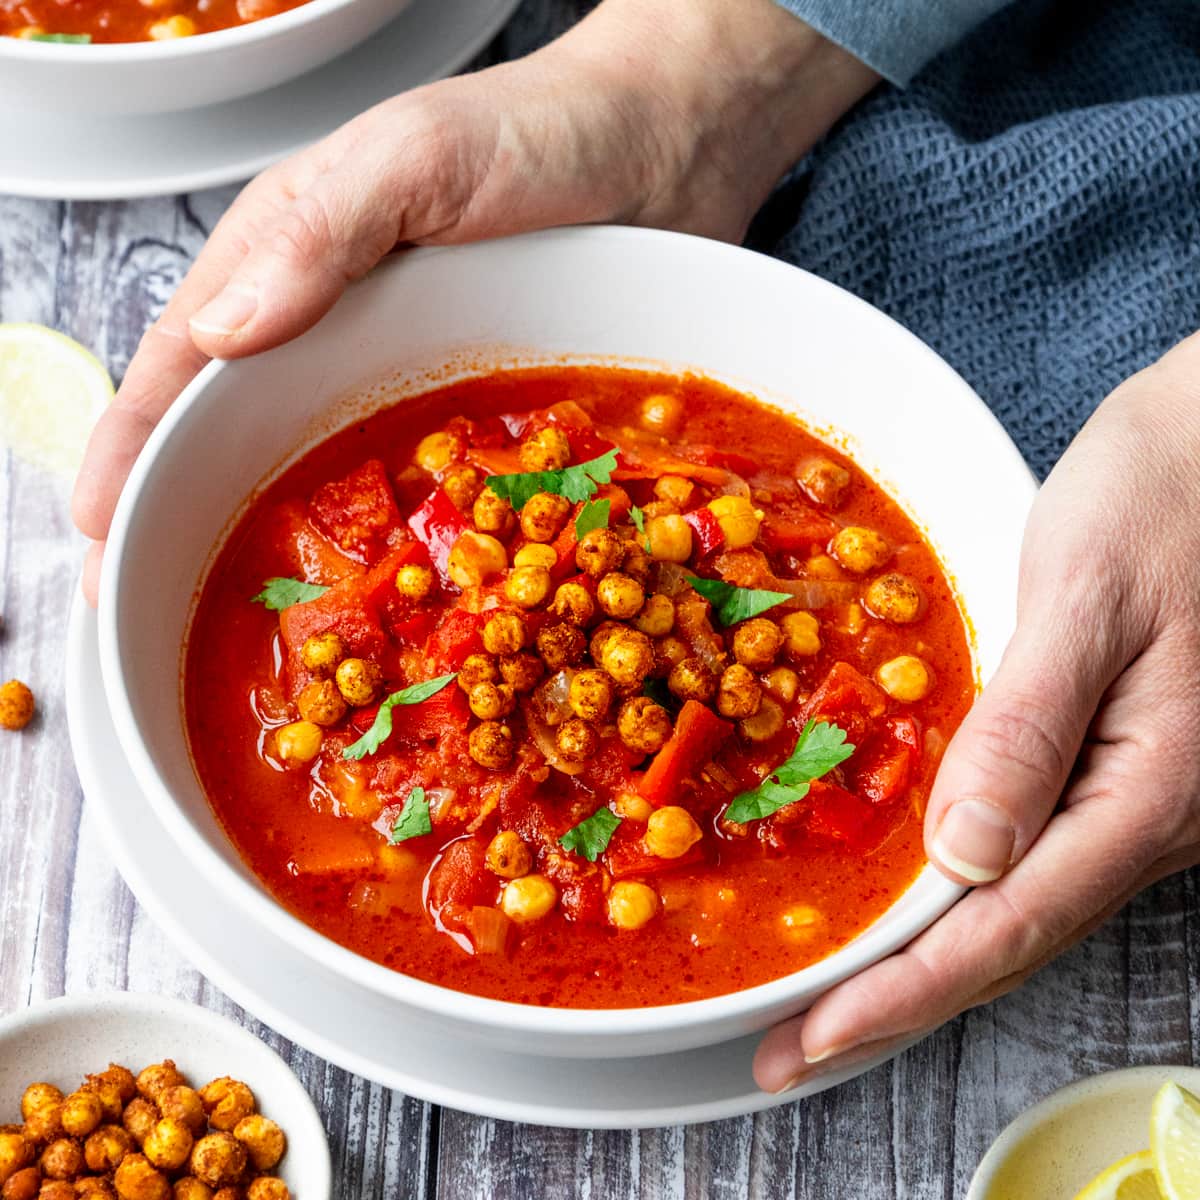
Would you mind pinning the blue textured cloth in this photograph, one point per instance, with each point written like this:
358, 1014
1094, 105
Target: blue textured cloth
1029, 206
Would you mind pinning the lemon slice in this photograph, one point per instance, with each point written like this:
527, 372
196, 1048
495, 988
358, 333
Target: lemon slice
1175, 1142
51, 392
1131, 1178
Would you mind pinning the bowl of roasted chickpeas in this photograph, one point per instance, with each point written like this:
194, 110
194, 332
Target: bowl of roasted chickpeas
129, 1097
425, 318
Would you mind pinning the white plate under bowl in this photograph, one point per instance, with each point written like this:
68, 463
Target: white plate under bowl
63, 1040
356, 1029
90, 156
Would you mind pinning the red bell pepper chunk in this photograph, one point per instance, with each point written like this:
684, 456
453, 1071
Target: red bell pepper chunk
437, 525
707, 530
848, 699
799, 533
458, 634
698, 735
359, 512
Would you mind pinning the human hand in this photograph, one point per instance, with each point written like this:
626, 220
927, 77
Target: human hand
649, 112
1079, 762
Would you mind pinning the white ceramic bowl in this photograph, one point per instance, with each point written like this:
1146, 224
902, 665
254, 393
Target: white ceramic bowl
154, 77
633, 296
63, 1040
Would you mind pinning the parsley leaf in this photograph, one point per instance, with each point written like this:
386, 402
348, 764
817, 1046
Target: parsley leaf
576, 483
413, 820
381, 729
279, 593
593, 515
733, 604
638, 518
75, 39
592, 835
820, 747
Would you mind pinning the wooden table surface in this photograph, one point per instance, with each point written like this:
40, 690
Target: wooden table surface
914, 1129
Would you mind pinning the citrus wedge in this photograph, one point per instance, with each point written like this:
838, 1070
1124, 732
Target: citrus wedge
1175, 1142
1131, 1178
51, 392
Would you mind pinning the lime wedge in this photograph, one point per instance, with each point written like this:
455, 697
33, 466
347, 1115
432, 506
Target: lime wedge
51, 392
1175, 1142
1131, 1178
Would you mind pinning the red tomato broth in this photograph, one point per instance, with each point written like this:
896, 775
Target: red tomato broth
132, 20
722, 925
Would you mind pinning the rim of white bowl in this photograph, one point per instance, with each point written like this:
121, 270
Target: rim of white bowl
218, 41
868, 947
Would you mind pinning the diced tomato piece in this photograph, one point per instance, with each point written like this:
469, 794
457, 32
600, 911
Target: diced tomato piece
881, 772
413, 629
838, 814
580, 887
308, 553
564, 548
627, 856
797, 533
437, 525
359, 512
348, 609
609, 770
706, 528
729, 459
848, 699
458, 634
698, 735
436, 717
458, 881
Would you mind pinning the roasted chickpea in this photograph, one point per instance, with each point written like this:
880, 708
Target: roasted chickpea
177, 26
529, 898
536, 554
505, 633
21, 1185
62, 1159
414, 581
739, 693
299, 741
765, 723
121, 1078
322, 652
268, 1187
628, 657
860, 549
15, 1152
437, 451
823, 480
528, 586
657, 617
141, 1116
229, 1193
81, 1113
493, 514
669, 652
821, 566
636, 563
629, 806
263, 1139
321, 703
168, 1144
359, 681
543, 516
44, 1124
738, 518
662, 413
905, 678
674, 489
462, 484
182, 1103
109, 1096
521, 671
631, 904
508, 856
474, 558
95, 1187
476, 669
491, 745
137, 1179
546, 450
600, 636
577, 741
643, 725
599, 551
619, 596
757, 642
560, 645
56, 1189
574, 603
490, 701
226, 1101
894, 597
669, 538
692, 680
801, 634
671, 832
191, 1188
38, 1096
218, 1159
16, 705
783, 683
107, 1147
590, 695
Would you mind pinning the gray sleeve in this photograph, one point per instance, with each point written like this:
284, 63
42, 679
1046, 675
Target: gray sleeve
894, 37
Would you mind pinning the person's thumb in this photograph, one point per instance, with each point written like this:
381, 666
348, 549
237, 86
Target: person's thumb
1007, 765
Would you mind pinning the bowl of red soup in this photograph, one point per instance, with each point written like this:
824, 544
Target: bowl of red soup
560, 640
150, 56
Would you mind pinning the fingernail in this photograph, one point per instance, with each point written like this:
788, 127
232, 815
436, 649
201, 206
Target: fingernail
228, 311
825, 1055
975, 840
794, 1082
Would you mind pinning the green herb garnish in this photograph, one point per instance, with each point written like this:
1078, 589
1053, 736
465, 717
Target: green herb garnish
820, 747
593, 515
576, 483
590, 837
280, 592
413, 820
381, 728
638, 518
73, 39
733, 604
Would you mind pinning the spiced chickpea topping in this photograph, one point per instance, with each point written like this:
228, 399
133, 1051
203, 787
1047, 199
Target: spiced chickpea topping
16, 705
573, 603
490, 701
321, 703
690, 679
636, 563
560, 645
543, 516
493, 514
528, 587
359, 680
577, 741
590, 695
505, 633
546, 450
81, 1113
490, 744
668, 653
823, 480
105, 1149
895, 598
414, 581
508, 856
463, 485
599, 551
757, 642
739, 692
657, 617
643, 725
859, 549
263, 1139
521, 671
140, 1117
476, 669
322, 652
619, 596
226, 1101
628, 657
